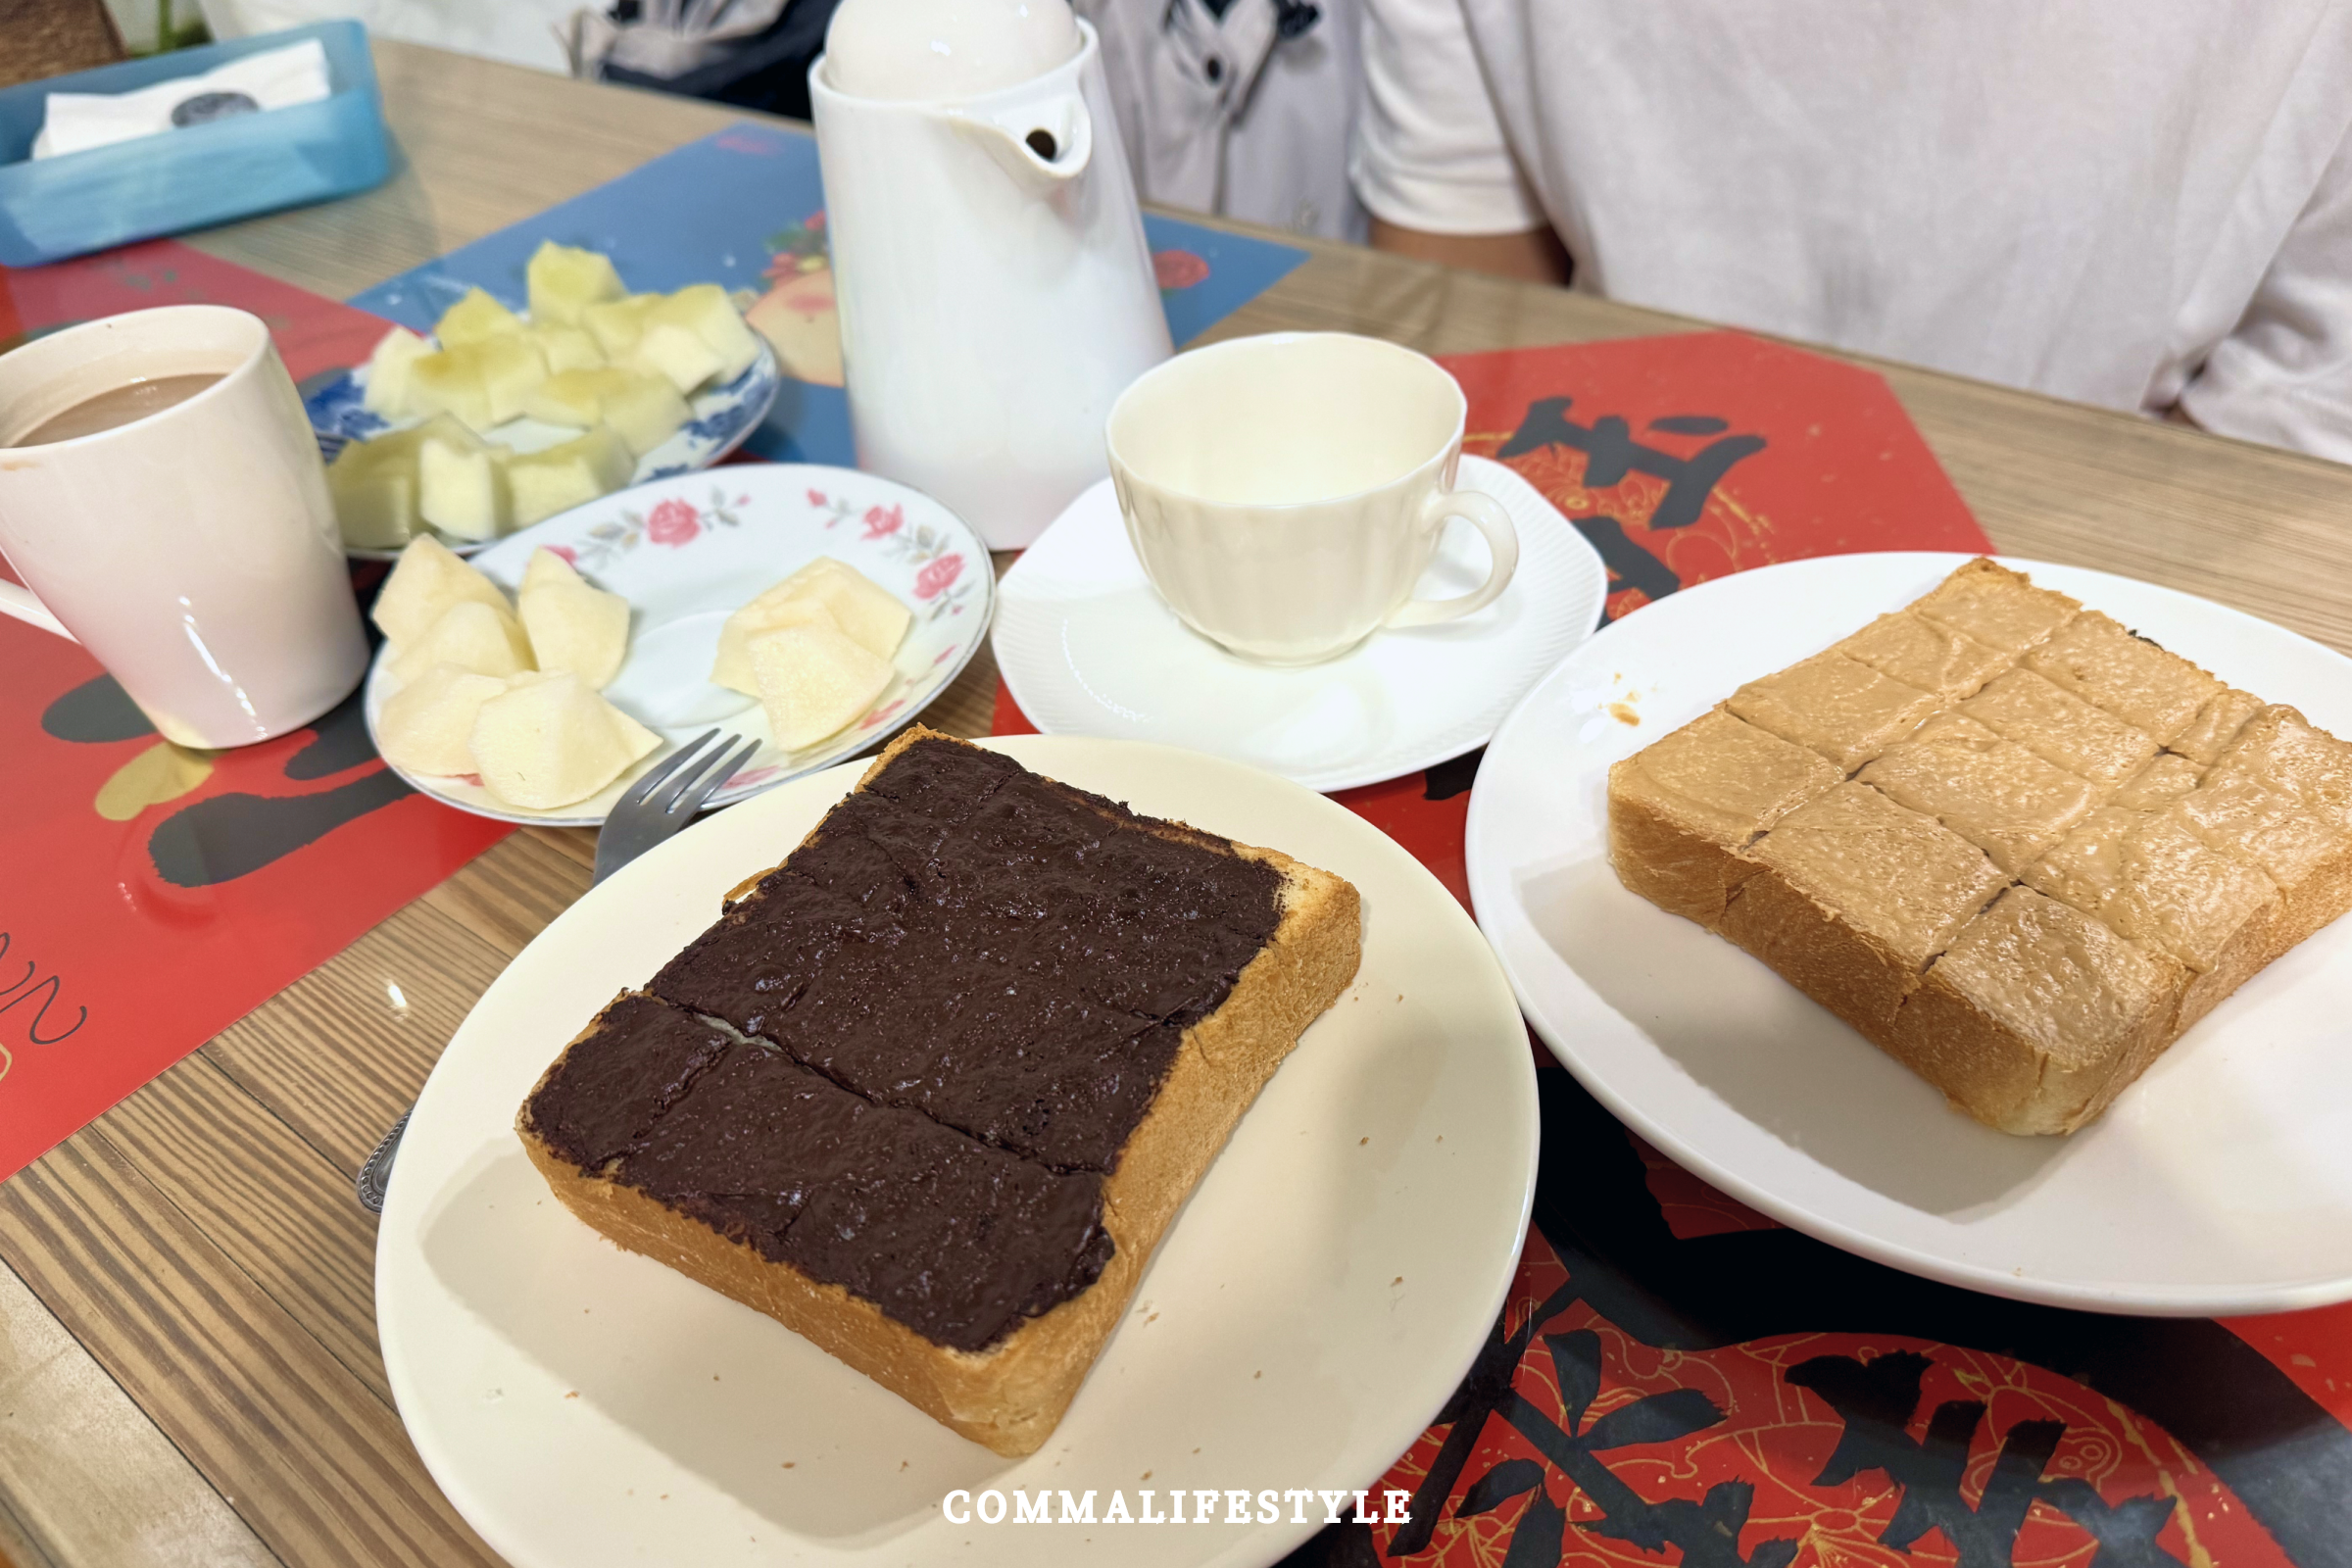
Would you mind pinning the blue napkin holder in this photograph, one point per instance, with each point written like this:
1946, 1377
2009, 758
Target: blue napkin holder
197, 175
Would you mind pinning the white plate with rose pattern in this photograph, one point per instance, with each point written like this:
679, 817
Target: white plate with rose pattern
688, 551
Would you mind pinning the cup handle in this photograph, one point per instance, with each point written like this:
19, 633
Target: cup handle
1502, 543
20, 602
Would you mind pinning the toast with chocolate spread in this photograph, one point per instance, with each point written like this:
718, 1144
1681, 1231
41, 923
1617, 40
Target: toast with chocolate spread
929, 1092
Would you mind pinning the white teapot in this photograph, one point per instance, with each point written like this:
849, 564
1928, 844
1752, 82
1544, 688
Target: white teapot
994, 287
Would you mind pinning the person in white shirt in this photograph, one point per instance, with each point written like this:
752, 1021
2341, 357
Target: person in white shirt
2145, 204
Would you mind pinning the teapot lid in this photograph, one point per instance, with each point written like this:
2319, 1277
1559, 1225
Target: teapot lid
909, 50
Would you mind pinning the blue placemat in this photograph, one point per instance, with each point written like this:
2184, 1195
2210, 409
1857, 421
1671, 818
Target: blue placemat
744, 207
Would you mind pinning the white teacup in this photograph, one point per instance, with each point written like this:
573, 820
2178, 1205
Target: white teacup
1284, 492
193, 551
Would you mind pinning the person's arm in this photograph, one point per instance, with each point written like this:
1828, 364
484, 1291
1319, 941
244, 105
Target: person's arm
1430, 161
1534, 256
2283, 375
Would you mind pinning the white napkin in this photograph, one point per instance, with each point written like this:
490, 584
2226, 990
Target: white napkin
275, 79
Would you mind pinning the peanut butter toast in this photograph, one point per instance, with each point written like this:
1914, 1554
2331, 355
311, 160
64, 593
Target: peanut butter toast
2015, 844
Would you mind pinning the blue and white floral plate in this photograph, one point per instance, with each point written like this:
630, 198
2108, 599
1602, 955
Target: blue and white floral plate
687, 551
724, 417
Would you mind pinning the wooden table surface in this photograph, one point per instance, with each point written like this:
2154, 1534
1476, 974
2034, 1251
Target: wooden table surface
188, 1361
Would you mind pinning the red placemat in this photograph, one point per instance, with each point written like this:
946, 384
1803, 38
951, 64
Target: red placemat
150, 896
1678, 1378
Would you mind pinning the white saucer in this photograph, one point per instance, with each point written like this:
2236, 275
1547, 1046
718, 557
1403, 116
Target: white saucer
1087, 648
2220, 1183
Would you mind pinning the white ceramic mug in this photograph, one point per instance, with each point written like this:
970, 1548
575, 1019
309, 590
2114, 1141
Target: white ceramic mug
193, 552
1284, 492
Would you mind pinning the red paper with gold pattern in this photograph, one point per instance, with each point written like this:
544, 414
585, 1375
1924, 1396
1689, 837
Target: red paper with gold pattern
150, 895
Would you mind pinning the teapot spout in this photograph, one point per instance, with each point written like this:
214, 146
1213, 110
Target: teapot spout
1044, 142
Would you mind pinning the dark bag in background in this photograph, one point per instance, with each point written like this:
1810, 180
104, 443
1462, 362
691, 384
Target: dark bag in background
748, 53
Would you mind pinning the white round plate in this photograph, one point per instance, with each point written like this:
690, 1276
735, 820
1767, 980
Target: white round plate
1313, 1307
1087, 646
686, 553
723, 418
2220, 1183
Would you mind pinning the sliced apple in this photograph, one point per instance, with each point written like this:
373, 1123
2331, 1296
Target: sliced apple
462, 485
568, 347
813, 681
644, 410
706, 311
375, 488
564, 280
676, 353
450, 383
571, 397
619, 323
549, 741
388, 365
511, 368
484, 639
425, 581
476, 317
428, 726
541, 484
577, 628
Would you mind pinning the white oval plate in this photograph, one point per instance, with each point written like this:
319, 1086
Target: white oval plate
2220, 1183
1087, 646
723, 418
1313, 1307
686, 553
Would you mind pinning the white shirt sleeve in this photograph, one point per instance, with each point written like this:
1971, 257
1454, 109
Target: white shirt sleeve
2283, 375
1429, 152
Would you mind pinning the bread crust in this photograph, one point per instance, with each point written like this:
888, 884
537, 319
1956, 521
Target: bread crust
1010, 1396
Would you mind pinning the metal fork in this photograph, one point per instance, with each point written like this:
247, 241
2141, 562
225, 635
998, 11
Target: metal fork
662, 802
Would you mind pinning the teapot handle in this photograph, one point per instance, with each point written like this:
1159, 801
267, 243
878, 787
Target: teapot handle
1044, 142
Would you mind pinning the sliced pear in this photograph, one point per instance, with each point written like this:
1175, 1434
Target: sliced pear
388, 365
450, 383
428, 726
732, 668
485, 638
869, 613
511, 368
541, 484
813, 681
462, 485
706, 311
476, 317
426, 580
568, 347
564, 280
547, 570
577, 628
619, 323
675, 353
549, 741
